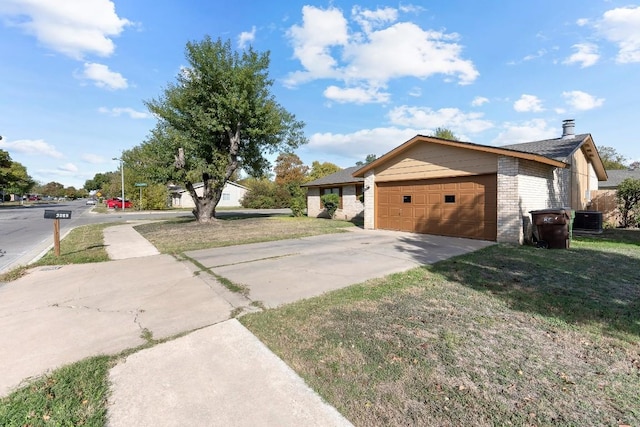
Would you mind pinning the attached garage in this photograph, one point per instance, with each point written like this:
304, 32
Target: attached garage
458, 206
436, 186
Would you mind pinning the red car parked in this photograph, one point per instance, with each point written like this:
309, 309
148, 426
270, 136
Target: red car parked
116, 203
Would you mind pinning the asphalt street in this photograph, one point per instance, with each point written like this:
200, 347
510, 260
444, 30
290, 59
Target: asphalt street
25, 233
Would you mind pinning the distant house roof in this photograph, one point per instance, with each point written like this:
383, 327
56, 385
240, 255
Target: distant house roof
617, 176
343, 176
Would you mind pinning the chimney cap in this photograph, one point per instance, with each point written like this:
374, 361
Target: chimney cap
568, 126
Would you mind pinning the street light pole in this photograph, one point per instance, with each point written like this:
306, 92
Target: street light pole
122, 177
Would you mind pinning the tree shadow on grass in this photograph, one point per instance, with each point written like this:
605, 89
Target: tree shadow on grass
578, 286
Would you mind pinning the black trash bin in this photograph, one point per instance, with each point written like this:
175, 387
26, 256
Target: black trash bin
553, 226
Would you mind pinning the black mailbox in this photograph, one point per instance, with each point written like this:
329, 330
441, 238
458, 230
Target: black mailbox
51, 214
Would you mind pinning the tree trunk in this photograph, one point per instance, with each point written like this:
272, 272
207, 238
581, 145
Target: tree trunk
205, 206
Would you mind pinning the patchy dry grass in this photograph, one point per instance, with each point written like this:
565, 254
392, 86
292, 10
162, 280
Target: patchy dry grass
82, 245
176, 236
503, 336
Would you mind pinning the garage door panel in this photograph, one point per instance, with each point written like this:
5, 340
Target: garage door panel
419, 198
471, 211
467, 200
434, 198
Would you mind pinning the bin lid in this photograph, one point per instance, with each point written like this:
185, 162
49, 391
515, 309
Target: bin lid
549, 211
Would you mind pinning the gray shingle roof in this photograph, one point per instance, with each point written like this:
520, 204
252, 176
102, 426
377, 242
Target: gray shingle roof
617, 176
557, 148
343, 176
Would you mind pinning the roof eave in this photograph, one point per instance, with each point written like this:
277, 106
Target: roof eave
466, 145
326, 184
596, 160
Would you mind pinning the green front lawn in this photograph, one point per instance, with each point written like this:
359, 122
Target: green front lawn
502, 336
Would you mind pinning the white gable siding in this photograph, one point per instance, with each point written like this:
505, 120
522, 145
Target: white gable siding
231, 196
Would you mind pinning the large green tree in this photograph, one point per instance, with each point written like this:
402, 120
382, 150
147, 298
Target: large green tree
628, 197
13, 176
318, 170
98, 182
217, 117
611, 159
370, 158
444, 133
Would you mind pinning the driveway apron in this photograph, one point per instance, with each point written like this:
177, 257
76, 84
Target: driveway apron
285, 271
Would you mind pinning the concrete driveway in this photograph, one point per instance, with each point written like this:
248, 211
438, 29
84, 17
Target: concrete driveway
284, 271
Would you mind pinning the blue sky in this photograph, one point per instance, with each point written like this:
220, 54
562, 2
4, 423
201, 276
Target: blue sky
364, 76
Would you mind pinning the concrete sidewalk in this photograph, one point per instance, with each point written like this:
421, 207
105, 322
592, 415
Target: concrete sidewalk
219, 374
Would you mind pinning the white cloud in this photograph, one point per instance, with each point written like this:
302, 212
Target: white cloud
246, 37
370, 19
582, 22
582, 100
357, 145
118, 111
327, 48
450, 118
103, 77
415, 91
528, 103
68, 167
94, 159
622, 26
479, 101
312, 42
533, 130
72, 27
356, 95
586, 55
31, 147
539, 54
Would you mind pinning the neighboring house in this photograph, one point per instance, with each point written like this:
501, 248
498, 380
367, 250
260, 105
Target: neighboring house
232, 194
345, 185
604, 199
437, 186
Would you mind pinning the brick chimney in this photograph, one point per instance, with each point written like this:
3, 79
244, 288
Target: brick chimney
568, 129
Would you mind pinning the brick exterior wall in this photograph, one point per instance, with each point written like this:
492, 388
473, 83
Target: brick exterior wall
351, 206
369, 200
508, 200
524, 186
314, 207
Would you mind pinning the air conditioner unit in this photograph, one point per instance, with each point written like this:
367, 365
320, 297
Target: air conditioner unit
589, 221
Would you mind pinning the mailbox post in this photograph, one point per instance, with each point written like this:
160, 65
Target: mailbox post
56, 216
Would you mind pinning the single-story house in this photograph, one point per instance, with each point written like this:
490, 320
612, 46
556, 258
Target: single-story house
232, 194
604, 198
344, 184
438, 186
